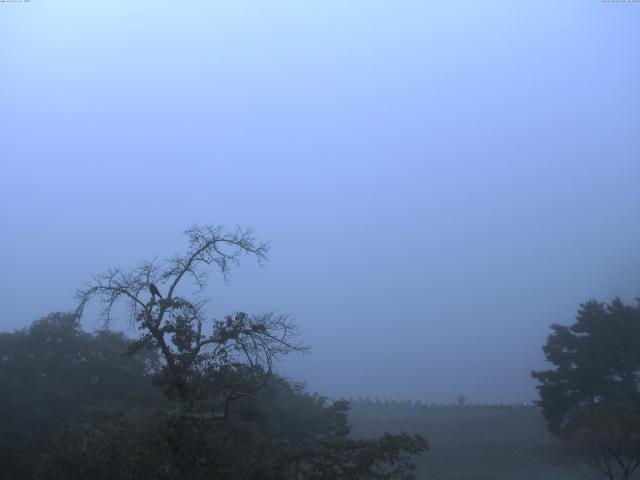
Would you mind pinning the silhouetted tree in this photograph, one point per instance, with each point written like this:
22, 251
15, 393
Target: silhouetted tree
237, 351
230, 415
591, 397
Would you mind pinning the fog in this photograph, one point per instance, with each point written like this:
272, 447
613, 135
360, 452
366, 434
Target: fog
440, 181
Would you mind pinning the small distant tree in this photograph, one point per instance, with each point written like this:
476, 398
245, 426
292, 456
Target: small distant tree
591, 398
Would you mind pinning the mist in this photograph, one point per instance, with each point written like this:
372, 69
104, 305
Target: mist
439, 181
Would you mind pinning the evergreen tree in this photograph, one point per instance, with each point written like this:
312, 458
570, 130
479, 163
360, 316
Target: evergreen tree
592, 395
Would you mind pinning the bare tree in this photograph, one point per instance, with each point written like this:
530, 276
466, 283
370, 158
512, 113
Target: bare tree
207, 365
610, 440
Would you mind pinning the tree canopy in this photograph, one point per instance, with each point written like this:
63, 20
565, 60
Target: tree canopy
219, 409
52, 371
592, 393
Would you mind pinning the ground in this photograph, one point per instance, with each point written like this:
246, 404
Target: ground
489, 443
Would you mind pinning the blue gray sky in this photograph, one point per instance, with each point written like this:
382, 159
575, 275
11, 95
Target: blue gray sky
440, 181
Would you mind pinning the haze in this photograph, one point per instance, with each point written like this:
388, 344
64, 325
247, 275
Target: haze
440, 181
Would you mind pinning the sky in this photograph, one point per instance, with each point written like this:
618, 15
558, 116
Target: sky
440, 181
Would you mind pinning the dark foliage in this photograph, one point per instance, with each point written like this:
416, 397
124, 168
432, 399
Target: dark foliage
592, 395
80, 405
384, 458
219, 410
52, 371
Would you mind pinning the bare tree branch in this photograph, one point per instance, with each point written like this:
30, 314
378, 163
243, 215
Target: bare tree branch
240, 350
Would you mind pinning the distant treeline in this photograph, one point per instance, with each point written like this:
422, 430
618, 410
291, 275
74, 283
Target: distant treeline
367, 401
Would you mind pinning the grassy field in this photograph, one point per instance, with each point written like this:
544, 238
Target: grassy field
475, 443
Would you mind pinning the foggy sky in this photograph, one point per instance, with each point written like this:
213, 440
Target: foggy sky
440, 181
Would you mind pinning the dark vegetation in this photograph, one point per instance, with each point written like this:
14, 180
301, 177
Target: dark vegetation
591, 398
196, 398
190, 398
56, 379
